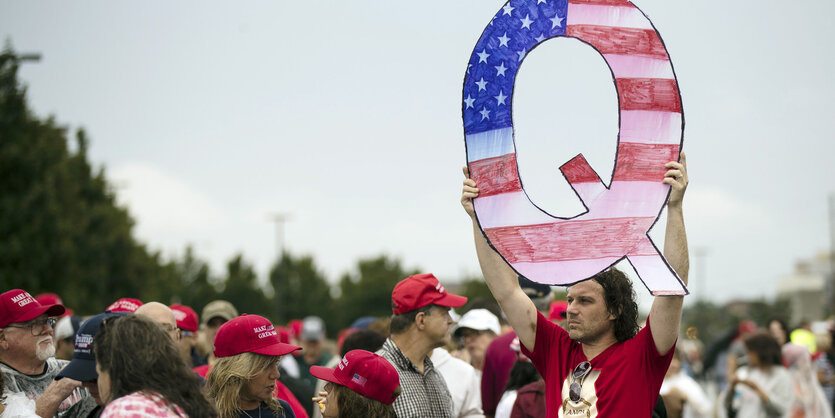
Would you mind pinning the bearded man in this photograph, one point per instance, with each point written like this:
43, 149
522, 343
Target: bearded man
27, 350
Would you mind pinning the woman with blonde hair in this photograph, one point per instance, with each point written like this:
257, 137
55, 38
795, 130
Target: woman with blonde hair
243, 378
141, 372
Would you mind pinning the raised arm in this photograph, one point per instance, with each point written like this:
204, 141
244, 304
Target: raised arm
665, 316
500, 278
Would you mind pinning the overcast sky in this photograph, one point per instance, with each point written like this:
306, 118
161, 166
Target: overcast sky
209, 116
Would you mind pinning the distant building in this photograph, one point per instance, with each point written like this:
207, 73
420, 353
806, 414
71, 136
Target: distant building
807, 289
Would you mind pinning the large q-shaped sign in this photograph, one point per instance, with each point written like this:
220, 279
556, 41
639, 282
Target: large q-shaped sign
564, 251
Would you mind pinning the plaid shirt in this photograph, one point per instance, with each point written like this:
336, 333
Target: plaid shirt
424, 394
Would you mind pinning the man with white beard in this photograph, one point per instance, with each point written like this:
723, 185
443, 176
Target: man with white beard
27, 351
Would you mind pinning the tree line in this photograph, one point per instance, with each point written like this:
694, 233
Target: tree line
62, 231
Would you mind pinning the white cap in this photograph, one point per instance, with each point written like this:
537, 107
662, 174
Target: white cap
481, 320
63, 328
313, 329
454, 315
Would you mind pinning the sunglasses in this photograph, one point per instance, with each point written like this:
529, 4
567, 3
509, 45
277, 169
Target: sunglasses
579, 373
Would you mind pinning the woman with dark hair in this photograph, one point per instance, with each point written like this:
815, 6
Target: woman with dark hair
141, 373
522, 374
243, 378
763, 388
363, 385
779, 330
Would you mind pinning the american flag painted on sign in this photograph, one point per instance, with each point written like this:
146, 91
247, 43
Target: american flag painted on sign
556, 250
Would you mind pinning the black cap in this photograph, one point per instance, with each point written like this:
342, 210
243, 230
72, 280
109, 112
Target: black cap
82, 367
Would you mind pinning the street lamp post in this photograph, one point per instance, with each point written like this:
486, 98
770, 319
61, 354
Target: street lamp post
28, 57
280, 218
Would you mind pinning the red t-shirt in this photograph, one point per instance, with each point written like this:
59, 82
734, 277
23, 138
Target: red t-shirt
624, 380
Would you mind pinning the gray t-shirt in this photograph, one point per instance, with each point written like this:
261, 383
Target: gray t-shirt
78, 404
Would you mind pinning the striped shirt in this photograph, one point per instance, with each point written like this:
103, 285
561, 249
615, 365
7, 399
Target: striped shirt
424, 394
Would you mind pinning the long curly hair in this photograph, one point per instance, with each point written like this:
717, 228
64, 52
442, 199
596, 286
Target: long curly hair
353, 405
226, 380
140, 357
620, 302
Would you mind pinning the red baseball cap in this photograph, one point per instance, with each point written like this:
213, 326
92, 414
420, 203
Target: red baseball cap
186, 317
283, 334
18, 305
415, 292
52, 299
250, 333
124, 305
295, 328
365, 373
558, 310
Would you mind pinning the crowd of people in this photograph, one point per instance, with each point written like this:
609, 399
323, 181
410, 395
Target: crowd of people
437, 355
154, 358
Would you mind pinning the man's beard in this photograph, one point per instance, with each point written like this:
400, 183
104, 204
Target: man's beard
45, 353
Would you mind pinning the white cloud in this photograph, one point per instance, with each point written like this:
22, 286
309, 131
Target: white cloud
166, 209
716, 205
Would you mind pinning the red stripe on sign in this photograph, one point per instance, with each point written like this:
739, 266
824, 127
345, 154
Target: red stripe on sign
660, 94
644, 247
569, 240
578, 170
625, 41
643, 162
603, 2
496, 175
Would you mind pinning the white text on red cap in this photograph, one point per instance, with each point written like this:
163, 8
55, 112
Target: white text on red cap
265, 331
440, 288
23, 299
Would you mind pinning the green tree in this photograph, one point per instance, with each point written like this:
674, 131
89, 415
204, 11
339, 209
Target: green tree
476, 287
367, 291
707, 319
60, 229
196, 286
241, 288
300, 290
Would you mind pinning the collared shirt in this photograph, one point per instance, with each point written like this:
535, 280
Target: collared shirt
424, 394
463, 382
